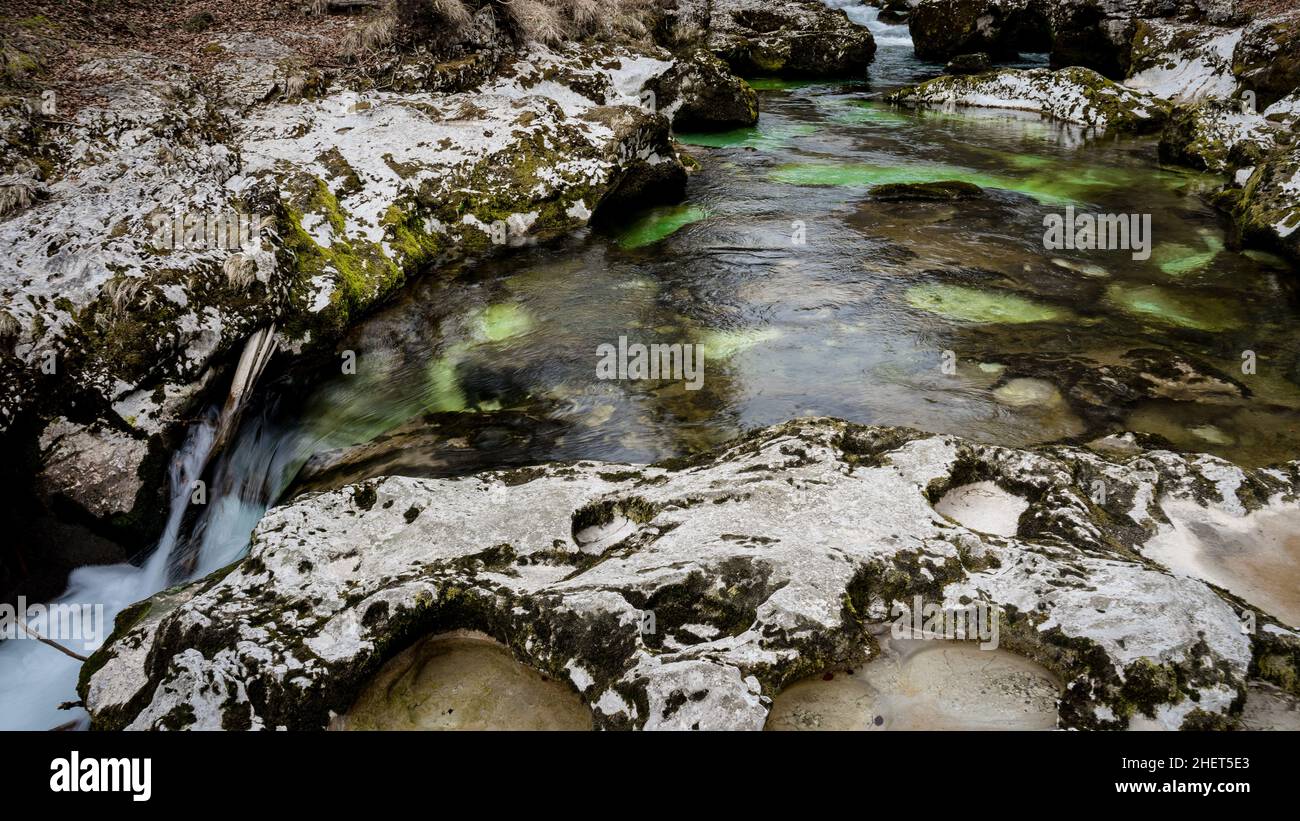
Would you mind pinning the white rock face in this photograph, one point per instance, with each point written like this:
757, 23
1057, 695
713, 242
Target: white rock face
1074, 95
766, 562
342, 194
1184, 63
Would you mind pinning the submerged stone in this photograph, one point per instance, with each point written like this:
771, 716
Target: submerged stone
502, 321
1193, 311
1028, 393
724, 344
941, 191
1176, 259
966, 304
660, 223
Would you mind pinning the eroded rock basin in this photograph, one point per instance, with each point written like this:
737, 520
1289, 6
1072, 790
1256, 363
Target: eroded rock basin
1256, 556
924, 685
463, 680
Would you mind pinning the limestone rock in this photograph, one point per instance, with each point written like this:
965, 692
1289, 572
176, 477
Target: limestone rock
732, 575
699, 93
1076, 95
97, 468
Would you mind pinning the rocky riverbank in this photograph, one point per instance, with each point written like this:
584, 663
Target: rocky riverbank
173, 211
181, 208
1217, 80
687, 595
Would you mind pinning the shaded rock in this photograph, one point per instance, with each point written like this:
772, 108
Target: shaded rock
1267, 59
943, 29
895, 12
942, 191
97, 468
738, 572
1076, 95
976, 63
788, 38
699, 93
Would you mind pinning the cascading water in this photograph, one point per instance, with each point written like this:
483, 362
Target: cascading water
885, 34
34, 679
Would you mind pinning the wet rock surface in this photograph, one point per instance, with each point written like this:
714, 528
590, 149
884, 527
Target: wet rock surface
690, 594
290, 199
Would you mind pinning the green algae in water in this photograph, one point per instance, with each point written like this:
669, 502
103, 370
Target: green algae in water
722, 344
503, 321
442, 392
1176, 259
863, 175
1183, 310
659, 223
965, 304
784, 84
763, 136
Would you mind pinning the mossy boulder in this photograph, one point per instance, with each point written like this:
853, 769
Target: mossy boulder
1214, 135
788, 38
699, 93
1268, 210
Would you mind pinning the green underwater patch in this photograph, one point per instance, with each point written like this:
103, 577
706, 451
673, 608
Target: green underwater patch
965, 304
724, 344
764, 136
1199, 313
501, 321
1176, 259
659, 223
786, 84
865, 175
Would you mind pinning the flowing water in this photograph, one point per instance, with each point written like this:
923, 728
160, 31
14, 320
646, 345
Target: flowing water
807, 296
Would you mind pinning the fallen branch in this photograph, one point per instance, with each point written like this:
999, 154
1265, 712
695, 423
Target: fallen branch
51, 643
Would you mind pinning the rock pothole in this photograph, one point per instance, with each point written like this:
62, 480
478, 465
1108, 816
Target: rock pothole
463, 680
985, 507
924, 685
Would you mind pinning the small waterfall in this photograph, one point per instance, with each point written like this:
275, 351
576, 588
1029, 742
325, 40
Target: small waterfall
35, 679
886, 35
